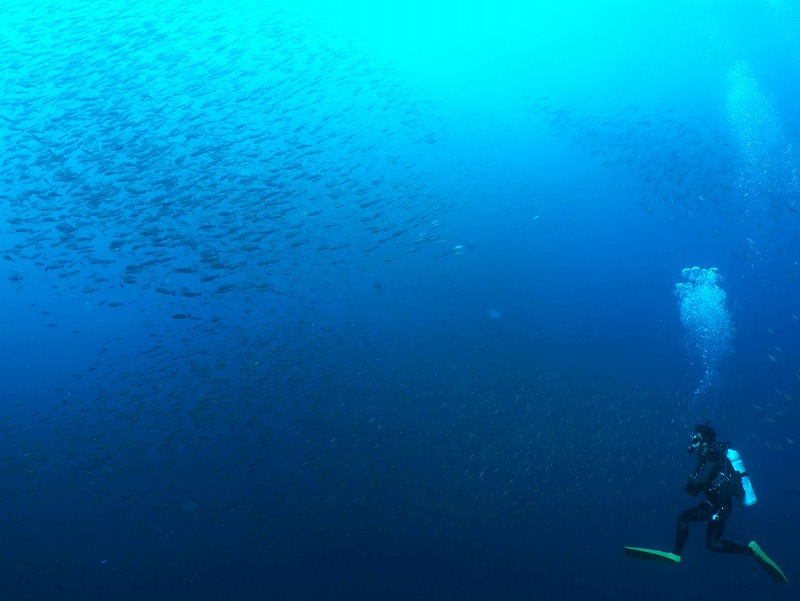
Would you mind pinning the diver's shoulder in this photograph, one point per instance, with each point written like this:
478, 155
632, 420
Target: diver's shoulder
718, 451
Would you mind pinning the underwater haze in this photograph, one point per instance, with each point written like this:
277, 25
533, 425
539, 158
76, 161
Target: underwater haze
416, 300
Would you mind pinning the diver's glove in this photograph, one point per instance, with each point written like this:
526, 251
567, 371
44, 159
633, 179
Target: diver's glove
689, 488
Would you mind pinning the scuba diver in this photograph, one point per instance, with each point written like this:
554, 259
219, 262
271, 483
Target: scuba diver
720, 476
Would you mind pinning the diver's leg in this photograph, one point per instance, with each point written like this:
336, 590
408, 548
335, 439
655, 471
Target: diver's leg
716, 525
699, 513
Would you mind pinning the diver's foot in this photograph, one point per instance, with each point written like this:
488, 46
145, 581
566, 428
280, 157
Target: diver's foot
770, 566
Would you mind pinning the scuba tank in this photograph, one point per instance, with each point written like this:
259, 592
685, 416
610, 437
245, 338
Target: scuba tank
749, 496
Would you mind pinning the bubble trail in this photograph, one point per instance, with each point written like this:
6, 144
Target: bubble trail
709, 331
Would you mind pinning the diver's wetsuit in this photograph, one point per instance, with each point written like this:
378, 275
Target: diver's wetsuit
719, 482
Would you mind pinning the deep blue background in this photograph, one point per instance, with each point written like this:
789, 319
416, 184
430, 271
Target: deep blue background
443, 357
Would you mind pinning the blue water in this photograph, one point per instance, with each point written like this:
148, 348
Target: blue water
378, 301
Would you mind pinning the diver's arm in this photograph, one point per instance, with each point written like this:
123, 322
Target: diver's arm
688, 486
710, 470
